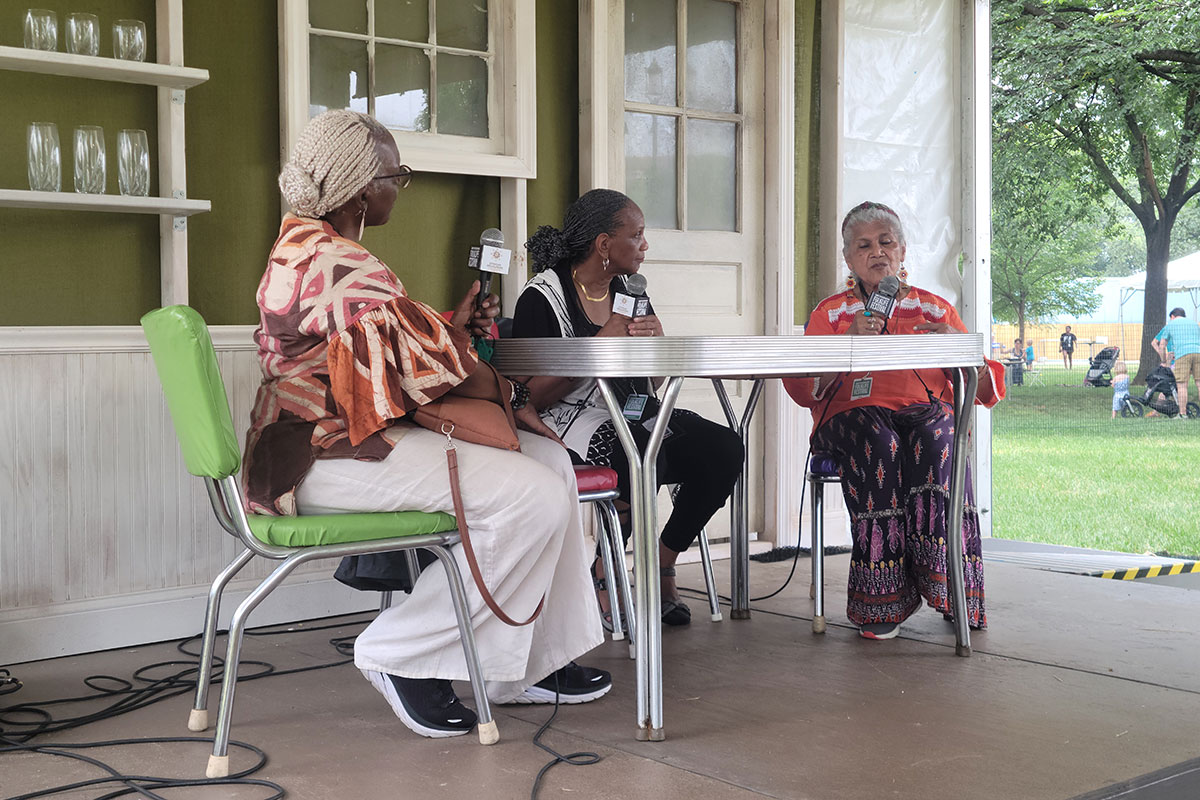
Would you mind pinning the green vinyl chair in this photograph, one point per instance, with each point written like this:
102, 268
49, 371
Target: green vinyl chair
191, 380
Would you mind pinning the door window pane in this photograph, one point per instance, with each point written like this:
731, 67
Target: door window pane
462, 95
650, 174
337, 74
402, 87
462, 24
650, 45
338, 15
711, 175
712, 55
402, 19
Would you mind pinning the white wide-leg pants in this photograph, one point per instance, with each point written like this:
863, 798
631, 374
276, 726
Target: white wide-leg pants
523, 513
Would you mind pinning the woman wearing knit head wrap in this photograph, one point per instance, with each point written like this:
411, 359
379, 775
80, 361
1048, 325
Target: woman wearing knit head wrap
346, 356
891, 434
580, 268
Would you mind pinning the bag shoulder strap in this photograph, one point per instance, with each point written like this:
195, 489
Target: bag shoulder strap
460, 515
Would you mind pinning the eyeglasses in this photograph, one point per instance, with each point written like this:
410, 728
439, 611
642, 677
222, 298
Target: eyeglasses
402, 178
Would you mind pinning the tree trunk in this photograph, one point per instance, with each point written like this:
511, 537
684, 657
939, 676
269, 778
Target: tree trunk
1154, 313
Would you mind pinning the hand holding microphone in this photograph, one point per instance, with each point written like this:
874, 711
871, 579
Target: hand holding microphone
633, 303
879, 306
489, 258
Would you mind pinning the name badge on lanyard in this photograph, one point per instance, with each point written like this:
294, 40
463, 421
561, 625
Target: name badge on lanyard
635, 405
860, 388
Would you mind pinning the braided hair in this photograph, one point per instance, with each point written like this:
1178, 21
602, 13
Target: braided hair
594, 213
868, 212
334, 159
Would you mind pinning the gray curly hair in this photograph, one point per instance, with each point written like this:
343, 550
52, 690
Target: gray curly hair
870, 211
334, 159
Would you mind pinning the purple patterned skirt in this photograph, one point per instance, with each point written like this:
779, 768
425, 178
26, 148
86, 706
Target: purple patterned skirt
895, 472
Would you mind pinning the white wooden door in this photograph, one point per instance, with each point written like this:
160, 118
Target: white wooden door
676, 106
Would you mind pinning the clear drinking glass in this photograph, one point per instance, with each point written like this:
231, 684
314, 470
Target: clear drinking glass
129, 39
41, 29
83, 34
45, 164
91, 170
133, 162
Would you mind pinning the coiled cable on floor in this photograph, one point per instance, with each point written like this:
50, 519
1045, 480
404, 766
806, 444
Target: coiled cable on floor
23, 722
580, 759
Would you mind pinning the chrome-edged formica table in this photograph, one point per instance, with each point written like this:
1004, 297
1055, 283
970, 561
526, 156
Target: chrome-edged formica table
753, 358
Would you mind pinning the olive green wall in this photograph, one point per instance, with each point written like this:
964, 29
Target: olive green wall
808, 56
80, 268
70, 267
557, 184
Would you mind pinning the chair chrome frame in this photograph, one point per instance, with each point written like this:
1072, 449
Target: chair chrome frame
816, 589
226, 498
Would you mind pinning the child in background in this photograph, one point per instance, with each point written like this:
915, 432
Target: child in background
1029, 356
1120, 386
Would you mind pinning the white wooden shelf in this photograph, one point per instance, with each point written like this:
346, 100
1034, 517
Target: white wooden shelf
71, 201
97, 68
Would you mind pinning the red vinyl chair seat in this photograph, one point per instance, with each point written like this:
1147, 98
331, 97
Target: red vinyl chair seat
595, 479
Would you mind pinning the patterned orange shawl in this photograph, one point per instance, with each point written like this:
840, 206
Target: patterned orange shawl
345, 354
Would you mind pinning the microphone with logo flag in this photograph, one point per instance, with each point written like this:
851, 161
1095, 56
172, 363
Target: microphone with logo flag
635, 303
882, 301
490, 258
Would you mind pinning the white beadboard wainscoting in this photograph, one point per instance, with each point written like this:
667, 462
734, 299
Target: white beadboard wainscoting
105, 539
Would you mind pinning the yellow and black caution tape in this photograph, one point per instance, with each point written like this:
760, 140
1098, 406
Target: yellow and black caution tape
1133, 573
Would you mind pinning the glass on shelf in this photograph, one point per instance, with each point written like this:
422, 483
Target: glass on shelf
133, 163
41, 29
91, 169
129, 40
83, 34
45, 163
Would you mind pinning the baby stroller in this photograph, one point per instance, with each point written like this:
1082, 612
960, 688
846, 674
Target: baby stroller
1100, 367
1160, 395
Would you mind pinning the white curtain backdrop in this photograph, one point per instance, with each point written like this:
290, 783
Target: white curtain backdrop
901, 128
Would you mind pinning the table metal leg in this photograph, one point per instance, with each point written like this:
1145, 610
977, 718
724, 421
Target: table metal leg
643, 491
964, 397
739, 510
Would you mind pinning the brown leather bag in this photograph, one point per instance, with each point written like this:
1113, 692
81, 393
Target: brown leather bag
473, 419
480, 421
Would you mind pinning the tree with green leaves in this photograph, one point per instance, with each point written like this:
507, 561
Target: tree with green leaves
1118, 81
1047, 227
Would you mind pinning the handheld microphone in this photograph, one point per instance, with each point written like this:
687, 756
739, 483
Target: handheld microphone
489, 258
634, 304
882, 301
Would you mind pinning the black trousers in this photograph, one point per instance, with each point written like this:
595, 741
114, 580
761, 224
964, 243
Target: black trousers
703, 457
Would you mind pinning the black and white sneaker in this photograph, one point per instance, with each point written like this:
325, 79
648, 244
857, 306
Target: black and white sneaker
427, 706
571, 684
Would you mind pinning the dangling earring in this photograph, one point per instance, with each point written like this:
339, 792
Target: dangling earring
850, 282
902, 274
362, 224
605, 265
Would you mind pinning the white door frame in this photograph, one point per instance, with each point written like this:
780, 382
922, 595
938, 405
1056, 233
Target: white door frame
597, 20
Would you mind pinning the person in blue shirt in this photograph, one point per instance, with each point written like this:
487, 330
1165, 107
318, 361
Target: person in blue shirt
1181, 338
1029, 355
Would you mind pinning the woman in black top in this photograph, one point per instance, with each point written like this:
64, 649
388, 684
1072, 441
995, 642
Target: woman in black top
579, 270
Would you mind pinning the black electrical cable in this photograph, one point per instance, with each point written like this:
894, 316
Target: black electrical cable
129, 697
16, 733
140, 784
580, 759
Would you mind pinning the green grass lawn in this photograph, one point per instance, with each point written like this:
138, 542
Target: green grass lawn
1064, 472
